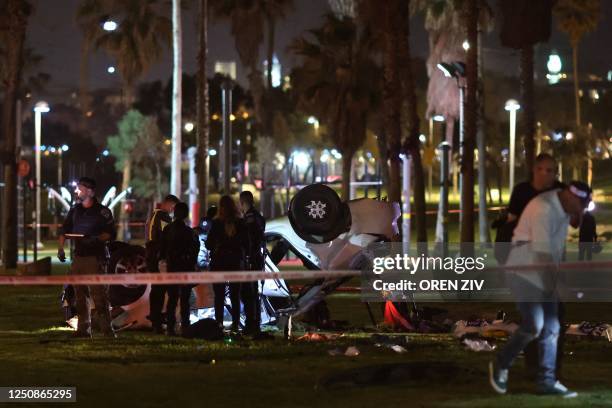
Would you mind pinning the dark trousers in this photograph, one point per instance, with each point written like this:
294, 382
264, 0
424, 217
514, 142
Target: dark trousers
176, 292
532, 353
234, 291
250, 300
156, 304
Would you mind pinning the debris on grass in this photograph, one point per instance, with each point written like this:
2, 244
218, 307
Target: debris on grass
478, 344
350, 351
319, 337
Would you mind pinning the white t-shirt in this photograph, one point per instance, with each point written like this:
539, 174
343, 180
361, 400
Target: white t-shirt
542, 228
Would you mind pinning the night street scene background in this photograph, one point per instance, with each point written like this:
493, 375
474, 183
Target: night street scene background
201, 201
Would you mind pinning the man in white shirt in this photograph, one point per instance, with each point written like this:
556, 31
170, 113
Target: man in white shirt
539, 238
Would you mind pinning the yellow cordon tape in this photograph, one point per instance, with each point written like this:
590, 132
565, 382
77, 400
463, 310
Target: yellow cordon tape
172, 277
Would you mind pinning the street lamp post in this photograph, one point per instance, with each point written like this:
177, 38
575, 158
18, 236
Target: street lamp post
226, 157
512, 106
40, 108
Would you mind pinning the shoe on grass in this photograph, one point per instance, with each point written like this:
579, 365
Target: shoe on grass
557, 389
498, 378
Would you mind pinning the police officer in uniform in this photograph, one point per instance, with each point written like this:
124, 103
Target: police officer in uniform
155, 225
91, 226
256, 226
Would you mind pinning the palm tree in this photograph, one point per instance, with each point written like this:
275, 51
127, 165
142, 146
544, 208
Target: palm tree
13, 24
471, 116
88, 16
248, 20
534, 18
202, 98
577, 18
337, 82
138, 42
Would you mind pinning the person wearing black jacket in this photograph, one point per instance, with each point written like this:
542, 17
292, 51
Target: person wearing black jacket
228, 243
159, 219
179, 248
256, 227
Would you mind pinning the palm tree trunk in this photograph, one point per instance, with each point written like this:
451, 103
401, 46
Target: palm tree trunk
125, 184
576, 84
413, 146
467, 162
16, 22
177, 73
392, 98
203, 117
528, 103
83, 82
483, 223
270, 56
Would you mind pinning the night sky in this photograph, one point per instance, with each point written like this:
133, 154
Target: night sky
53, 33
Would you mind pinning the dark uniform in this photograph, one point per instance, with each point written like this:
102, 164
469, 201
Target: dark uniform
587, 237
179, 246
90, 257
154, 227
228, 253
256, 227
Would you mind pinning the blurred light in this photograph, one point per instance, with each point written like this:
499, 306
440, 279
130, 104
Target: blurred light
438, 118
591, 206
212, 152
422, 138
109, 25
512, 105
238, 142
52, 149
43, 148
110, 70
301, 159
554, 64
189, 126
232, 117
495, 194
167, 142
245, 115
65, 148
41, 107
324, 156
47, 153
556, 136
89, 113
311, 120
466, 45
569, 136
215, 116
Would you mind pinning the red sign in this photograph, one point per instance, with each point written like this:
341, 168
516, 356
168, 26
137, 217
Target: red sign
23, 168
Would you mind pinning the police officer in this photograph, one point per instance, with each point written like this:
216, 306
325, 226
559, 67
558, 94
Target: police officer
179, 248
91, 225
256, 226
159, 219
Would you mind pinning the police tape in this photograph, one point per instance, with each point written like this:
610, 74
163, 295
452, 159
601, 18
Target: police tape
173, 278
176, 278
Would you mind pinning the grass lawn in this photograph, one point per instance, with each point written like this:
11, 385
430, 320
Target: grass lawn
141, 369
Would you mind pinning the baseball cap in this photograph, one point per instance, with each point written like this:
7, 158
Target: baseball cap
581, 190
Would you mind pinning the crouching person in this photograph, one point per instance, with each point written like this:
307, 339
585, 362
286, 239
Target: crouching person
180, 246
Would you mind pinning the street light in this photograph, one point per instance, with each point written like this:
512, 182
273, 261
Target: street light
40, 108
512, 106
109, 25
457, 70
189, 126
110, 70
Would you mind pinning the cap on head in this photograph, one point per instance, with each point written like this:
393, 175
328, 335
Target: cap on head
181, 211
581, 190
87, 182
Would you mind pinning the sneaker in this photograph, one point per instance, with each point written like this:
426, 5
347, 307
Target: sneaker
557, 389
498, 378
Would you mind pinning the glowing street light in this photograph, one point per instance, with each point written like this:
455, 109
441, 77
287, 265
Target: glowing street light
40, 108
111, 70
466, 45
512, 106
189, 126
109, 25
